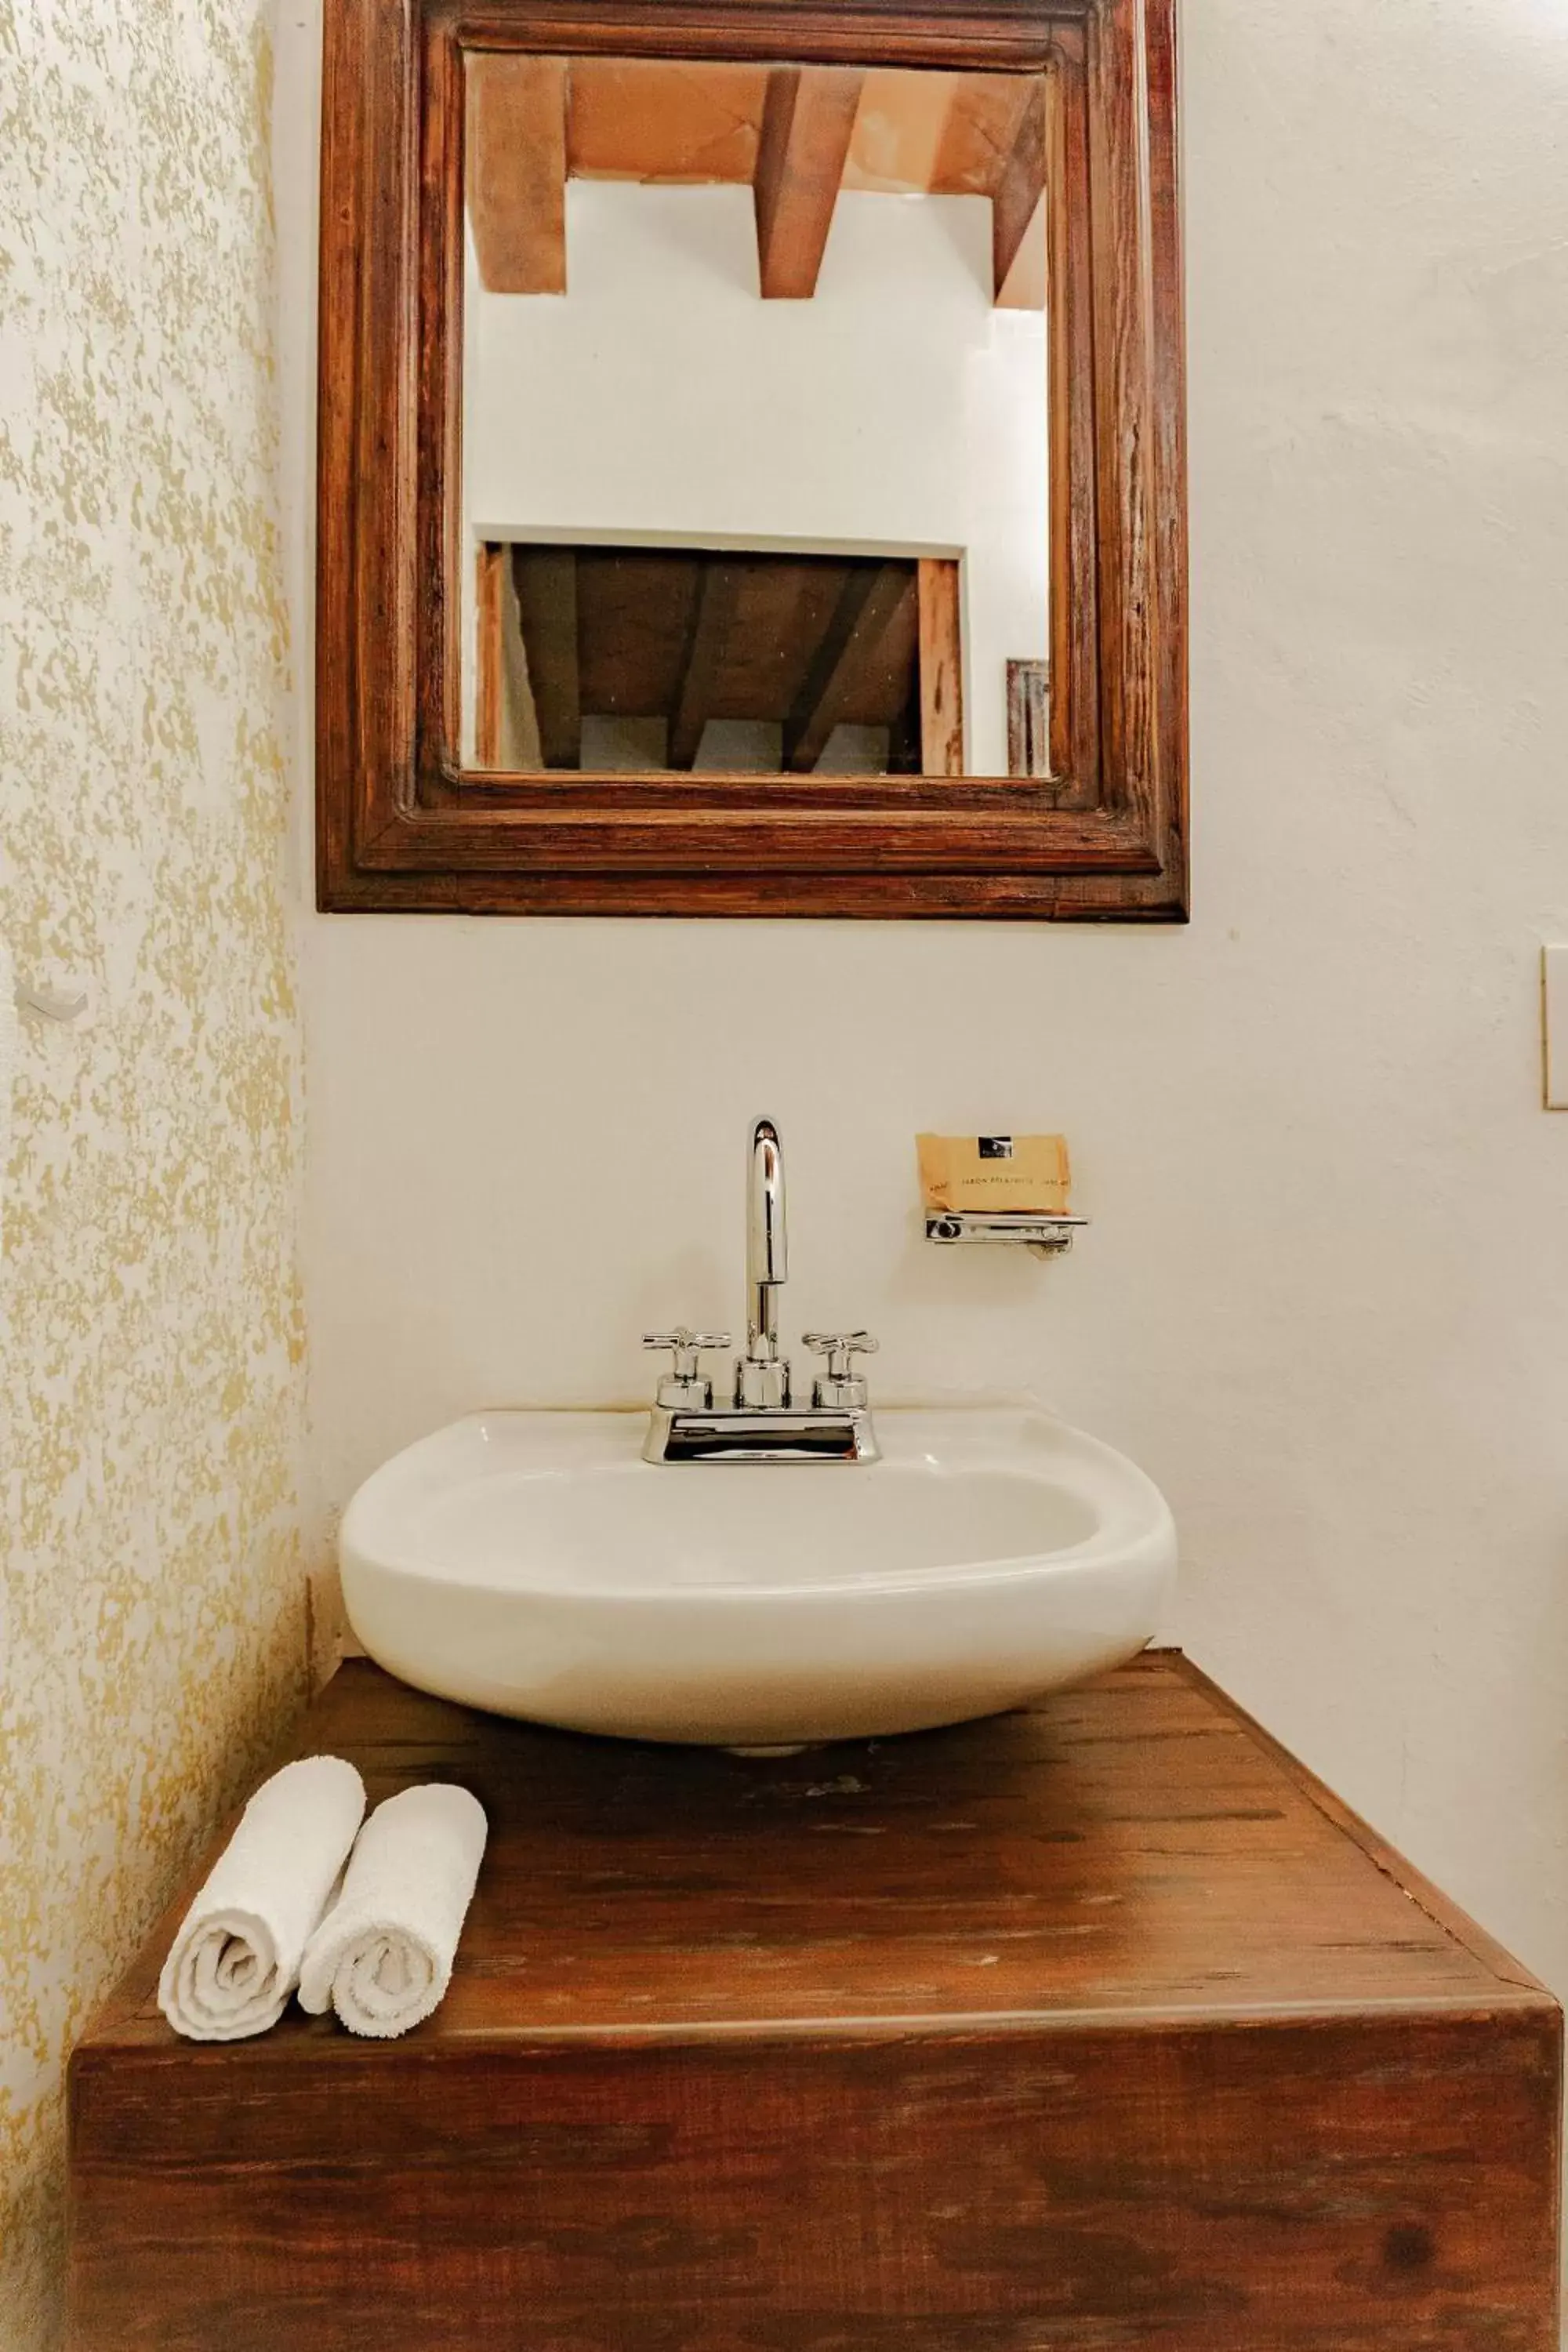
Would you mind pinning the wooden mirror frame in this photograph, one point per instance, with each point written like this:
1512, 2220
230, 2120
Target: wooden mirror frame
401, 826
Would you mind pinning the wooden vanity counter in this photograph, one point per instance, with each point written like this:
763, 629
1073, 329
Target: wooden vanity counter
1097, 2027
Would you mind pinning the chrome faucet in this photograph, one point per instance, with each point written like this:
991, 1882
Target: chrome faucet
758, 1420
761, 1374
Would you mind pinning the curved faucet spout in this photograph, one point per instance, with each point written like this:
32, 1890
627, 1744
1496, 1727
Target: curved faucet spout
767, 1263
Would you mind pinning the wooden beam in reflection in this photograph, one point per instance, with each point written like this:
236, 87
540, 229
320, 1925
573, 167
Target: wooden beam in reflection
546, 582
1028, 719
871, 596
712, 612
1017, 215
690, 120
984, 119
941, 668
516, 170
487, 656
808, 121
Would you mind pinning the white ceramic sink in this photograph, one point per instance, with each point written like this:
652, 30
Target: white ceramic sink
532, 1563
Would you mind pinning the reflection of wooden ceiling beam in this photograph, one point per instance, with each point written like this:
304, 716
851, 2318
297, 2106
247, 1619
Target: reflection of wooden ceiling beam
517, 171
808, 121
984, 121
1017, 215
1028, 719
941, 668
487, 656
799, 133
871, 596
712, 612
675, 119
546, 582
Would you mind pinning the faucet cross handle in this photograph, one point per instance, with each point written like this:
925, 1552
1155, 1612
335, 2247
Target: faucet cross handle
840, 1348
685, 1384
839, 1383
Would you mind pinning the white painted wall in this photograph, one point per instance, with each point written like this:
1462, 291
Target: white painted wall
1325, 1300
899, 410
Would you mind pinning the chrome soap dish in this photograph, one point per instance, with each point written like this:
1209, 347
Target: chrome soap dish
1046, 1235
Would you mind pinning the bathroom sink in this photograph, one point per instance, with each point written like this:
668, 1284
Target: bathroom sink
534, 1564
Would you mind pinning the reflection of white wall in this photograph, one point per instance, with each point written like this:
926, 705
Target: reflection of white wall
662, 397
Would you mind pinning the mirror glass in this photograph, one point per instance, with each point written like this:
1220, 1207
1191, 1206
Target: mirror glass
754, 419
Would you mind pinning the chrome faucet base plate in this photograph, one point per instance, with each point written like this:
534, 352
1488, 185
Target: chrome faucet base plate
790, 1433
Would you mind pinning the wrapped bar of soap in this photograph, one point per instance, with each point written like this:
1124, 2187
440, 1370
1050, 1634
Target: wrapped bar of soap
995, 1173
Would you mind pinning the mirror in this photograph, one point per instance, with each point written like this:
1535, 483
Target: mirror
751, 467
755, 442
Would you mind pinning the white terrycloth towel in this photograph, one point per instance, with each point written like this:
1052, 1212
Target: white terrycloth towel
236, 1957
383, 1956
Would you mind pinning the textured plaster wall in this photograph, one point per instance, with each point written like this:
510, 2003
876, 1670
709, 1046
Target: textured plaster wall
1325, 1297
152, 1615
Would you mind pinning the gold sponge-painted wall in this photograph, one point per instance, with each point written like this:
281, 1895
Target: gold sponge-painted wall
152, 1617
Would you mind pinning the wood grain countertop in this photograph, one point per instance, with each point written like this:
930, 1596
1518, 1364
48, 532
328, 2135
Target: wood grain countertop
1137, 1849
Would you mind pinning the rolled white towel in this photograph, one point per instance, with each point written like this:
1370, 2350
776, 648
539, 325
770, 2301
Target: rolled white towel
236, 1959
383, 1956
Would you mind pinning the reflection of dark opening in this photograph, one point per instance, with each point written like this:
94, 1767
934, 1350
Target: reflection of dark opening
678, 657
